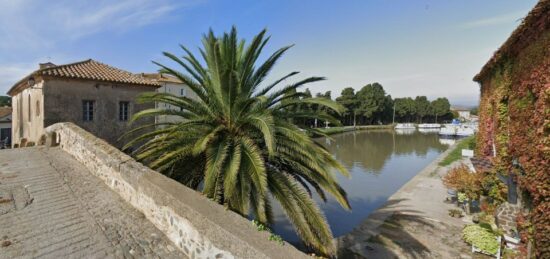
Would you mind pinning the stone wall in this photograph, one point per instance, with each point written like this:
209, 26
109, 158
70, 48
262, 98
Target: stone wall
63, 103
505, 218
196, 225
28, 114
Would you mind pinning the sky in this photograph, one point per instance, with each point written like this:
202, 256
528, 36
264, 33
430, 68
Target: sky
418, 47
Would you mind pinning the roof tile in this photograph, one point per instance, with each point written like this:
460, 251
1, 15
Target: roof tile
93, 70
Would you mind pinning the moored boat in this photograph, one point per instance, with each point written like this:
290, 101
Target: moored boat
405, 126
429, 126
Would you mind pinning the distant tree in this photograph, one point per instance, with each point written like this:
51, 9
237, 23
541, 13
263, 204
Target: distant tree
440, 107
371, 101
455, 114
422, 107
5, 101
405, 109
474, 111
387, 112
349, 100
322, 109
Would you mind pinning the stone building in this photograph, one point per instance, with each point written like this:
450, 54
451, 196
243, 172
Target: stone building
95, 96
5, 126
514, 126
171, 85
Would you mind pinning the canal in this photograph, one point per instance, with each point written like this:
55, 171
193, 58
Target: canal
380, 162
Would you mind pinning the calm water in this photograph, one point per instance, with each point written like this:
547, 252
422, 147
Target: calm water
380, 162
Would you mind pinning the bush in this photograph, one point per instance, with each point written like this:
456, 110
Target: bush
456, 153
455, 213
463, 181
482, 238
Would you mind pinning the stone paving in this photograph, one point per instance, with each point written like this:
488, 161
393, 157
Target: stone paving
52, 207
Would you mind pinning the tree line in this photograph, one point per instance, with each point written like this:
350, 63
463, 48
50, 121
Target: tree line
372, 105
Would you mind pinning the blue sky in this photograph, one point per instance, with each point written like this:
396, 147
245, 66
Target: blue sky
418, 47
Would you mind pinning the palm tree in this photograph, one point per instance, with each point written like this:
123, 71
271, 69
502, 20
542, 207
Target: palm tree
237, 144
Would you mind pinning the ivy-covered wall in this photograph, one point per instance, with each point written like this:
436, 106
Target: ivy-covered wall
515, 122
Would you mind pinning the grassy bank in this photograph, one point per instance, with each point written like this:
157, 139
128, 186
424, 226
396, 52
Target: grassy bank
335, 130
456, 154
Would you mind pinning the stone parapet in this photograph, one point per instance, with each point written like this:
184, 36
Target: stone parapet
199, 227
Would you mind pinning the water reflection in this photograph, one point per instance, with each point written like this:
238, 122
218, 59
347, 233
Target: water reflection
380, 162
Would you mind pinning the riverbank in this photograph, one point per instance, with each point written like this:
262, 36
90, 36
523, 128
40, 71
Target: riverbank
336, 130
413, 223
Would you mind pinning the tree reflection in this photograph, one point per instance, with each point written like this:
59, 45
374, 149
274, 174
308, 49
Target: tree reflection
370, 150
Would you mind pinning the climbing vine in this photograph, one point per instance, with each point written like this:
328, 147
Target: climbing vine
515, 122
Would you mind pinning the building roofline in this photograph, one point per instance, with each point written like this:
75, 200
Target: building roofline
40, 72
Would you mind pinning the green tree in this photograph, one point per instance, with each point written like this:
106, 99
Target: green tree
440, 106
348, 99
237, 143
371, 101
474, 111
405, 109
422, 107
5, 101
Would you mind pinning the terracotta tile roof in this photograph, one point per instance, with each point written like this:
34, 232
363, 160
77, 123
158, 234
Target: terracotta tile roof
533, 25
159, 77
5, 111
86, 70
93, 70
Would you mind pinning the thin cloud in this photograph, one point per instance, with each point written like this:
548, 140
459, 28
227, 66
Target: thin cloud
494, 20
9, 74
35, 24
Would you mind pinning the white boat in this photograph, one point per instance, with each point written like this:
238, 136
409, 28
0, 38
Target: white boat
429, 126
405, 126
428, 130
448, 130
464, 131
407, 131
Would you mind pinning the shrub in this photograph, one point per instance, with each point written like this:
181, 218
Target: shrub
462, 180
455, 213
482, 238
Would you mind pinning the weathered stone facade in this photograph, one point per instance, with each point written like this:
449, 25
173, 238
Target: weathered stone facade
55, 94
198, 226
505, 218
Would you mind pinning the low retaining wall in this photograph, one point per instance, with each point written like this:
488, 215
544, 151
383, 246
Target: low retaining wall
196, 225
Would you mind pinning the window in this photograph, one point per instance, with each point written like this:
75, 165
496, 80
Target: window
29, 106
183, 91
37, 108
88, 110
123, 111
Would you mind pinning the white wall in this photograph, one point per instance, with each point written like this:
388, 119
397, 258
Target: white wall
28, 114
175, 89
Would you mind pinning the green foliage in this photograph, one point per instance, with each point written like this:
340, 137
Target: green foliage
238, 143
474, 111
461, 197
440, 107
349, 100
481, 237
456, 153
5, 101
423, 107
372, 101
272, 237
405, 109
455, 213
